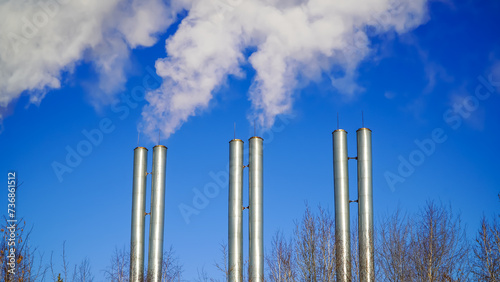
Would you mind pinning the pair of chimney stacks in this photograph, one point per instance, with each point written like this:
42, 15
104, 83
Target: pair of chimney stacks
255, 208
157, 212
365, 206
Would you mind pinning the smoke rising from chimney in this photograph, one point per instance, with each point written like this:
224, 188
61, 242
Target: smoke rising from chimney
287, 43
43, 39
294, 41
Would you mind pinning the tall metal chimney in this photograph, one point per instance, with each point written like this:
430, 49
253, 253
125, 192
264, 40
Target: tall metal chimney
138, 215
256, 232
156, 225
365, 206
235, 212
341, 187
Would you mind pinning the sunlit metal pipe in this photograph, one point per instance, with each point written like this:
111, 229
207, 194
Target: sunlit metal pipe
156, 225
138, 215
341, 194
256, 232
235, 211
365, 206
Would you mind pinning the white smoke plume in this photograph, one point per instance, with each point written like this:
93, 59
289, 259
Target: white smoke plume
42, 39
293, 39
296, 41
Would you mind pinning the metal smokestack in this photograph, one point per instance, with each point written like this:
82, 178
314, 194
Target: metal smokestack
235, 212
365, 208
341, 187
138, 215
156, 225
256, 232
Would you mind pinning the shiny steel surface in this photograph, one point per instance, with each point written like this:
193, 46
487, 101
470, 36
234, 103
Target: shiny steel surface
235, 211
156, 225
365, 208
138, 215
256, 232
341, 194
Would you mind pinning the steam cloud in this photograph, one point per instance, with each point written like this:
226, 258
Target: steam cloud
41, 39
292, 39
295, 41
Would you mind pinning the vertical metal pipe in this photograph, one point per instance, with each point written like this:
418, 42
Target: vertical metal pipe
365, 206
156, 225
235, 211
341, 187
256, 232
138, 215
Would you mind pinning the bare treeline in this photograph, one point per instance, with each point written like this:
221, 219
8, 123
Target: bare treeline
119, 267
430, 245
30, 266
309, 255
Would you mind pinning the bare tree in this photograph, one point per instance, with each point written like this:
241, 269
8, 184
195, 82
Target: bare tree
315, 246
19, 260
119, 268
326, 245
394, 252
171, 268
487, 252
439, 246
306, 247
202, 275
223, 267
51, 266
118, 271
65, 264
281, 260
83, 272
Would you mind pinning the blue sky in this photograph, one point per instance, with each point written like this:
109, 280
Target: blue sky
412, 85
